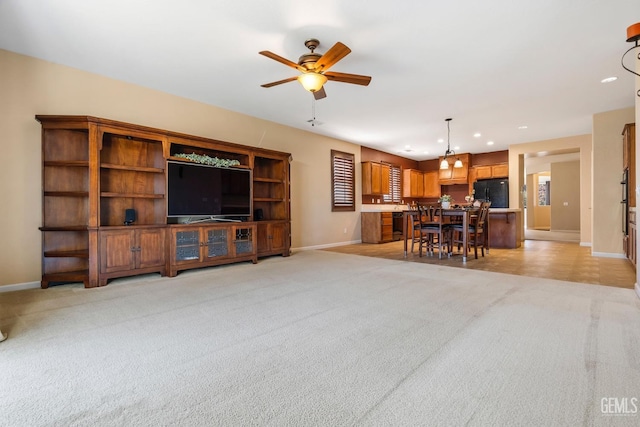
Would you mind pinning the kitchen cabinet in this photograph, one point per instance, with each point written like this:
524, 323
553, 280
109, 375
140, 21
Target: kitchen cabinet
412, 183
375, 178
631, 241
628, 159
376, 227
504, 228
492, 171
431, 184
454, 175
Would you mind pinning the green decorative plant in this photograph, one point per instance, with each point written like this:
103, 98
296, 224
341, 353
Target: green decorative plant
206, 160
445, 198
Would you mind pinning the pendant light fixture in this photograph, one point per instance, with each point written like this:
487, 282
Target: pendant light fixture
633, 36
445, 163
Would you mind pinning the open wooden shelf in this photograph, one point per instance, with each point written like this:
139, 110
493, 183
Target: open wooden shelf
67, 254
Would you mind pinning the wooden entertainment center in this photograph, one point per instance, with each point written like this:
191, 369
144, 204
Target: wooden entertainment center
94, 170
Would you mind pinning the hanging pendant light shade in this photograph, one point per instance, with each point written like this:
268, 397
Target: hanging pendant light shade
444, 164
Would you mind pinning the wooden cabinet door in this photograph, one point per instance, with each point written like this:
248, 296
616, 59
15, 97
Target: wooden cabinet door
500, 171
185, 245
385, 176
483, 172
215, 242
278, 234
116, 251
460, 174
150, 248
272, 238
412, 183
123, 250
375, 178
431, 184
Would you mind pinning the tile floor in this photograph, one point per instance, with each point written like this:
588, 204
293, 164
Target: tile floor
535, 258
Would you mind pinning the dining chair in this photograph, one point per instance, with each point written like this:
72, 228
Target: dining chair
475, 230
415, 226
434, 232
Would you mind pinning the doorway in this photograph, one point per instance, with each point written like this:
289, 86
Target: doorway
552, 215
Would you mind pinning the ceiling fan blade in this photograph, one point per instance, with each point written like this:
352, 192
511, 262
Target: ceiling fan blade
282, 60
279, 82
333, 55
355, 79
319, 94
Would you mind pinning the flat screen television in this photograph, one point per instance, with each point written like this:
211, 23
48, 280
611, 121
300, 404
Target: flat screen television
195, 190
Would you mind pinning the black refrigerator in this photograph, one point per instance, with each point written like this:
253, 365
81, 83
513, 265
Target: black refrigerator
495, 190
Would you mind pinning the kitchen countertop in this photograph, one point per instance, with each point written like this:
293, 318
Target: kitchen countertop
503, 210
400, 208
383, 208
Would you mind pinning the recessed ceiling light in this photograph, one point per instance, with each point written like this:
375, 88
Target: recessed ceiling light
457, 147
523, 127
489, 142
609, 79
477, 135
407, 146
426, 152
440, 141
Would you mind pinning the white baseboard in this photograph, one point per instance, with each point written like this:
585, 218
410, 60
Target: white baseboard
586, 244
19, 286
637, 288
608, 255
329, 245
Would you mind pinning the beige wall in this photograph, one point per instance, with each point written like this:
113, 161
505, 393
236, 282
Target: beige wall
565, 196
541, 217
607, 173
581, 143
29, 86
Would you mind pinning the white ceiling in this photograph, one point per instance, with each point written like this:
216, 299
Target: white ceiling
491, 65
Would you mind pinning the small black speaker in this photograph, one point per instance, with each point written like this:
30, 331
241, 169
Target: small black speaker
258, 215
129, 216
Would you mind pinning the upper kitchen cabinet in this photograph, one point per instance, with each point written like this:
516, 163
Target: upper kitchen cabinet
492, 171
375, 178
431, 184
453, 175
412, 183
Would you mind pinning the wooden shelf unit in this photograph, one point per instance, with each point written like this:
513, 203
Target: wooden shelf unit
95, 169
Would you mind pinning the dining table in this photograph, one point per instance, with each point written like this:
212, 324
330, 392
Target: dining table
461, 211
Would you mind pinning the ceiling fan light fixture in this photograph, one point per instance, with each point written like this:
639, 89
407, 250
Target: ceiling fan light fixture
312, 81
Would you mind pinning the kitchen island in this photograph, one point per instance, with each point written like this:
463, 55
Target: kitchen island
505, 228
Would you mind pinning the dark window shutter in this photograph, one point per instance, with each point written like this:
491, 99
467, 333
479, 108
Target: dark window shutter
343, 181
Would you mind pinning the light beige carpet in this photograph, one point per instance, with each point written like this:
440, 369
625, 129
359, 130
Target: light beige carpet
321, 338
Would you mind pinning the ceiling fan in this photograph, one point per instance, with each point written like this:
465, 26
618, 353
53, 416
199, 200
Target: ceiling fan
315, 66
